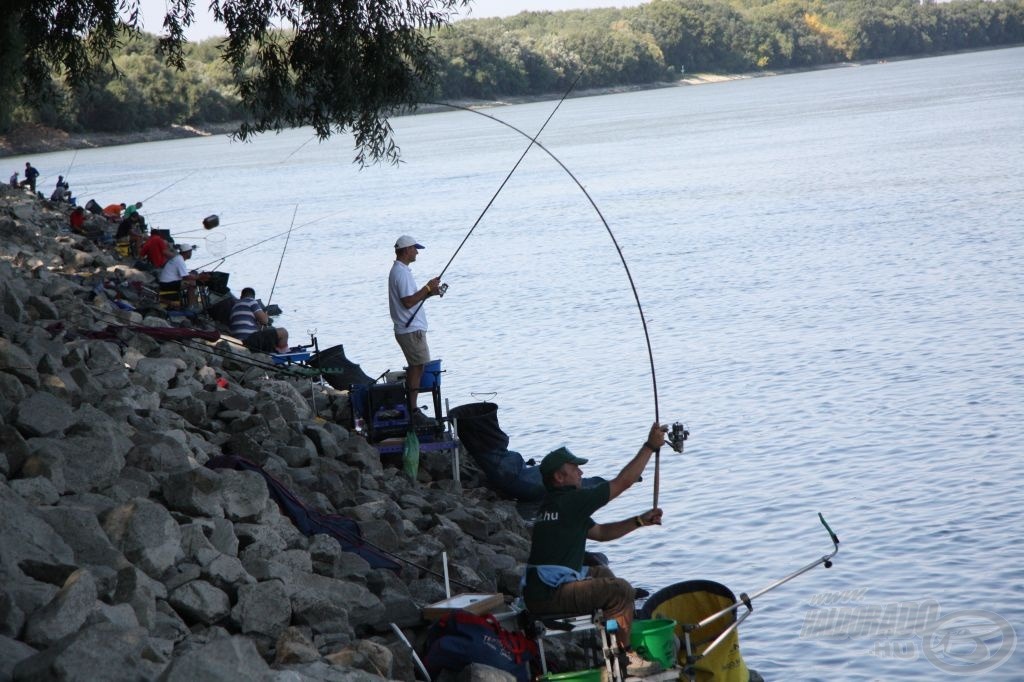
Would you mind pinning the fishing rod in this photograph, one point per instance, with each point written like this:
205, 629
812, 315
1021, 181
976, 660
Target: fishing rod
533, 141
189, 174
273, 236
678, 433
281, 262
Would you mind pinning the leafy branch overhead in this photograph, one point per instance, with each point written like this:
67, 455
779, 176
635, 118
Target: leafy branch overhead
336, 65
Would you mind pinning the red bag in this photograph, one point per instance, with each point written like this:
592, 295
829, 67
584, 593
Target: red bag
460, 638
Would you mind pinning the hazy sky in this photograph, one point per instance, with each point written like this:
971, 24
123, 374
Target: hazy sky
153, 12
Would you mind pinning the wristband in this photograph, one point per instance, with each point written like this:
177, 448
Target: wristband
650, 447
639, 521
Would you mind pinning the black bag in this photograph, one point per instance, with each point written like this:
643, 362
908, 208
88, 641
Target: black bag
460, 638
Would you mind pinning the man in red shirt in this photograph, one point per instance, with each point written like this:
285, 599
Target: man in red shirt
156, 251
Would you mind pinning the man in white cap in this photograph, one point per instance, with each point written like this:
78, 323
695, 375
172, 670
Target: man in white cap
175, 278
404, 299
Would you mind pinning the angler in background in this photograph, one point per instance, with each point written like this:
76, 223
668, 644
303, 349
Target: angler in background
30, 177
155, 251
251, 324
410, 322
556, 580
132, 209
113, 211
177, 284
14, 179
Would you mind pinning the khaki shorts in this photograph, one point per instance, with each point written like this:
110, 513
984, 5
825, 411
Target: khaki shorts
414, 345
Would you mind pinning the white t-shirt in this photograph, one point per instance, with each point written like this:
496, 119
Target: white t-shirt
401, 284
173, 270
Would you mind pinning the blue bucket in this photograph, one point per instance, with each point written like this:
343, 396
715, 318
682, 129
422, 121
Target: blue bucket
431, 375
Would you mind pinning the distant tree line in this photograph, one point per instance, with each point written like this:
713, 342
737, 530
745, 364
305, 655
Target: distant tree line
542, 52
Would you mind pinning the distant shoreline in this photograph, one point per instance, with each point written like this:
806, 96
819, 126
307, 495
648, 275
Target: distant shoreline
39, 139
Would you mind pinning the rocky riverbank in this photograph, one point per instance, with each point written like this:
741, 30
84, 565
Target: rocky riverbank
124, 557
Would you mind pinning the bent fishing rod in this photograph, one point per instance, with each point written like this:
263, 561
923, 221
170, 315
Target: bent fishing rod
678, 433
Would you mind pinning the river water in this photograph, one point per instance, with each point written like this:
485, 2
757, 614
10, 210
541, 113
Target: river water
830, 267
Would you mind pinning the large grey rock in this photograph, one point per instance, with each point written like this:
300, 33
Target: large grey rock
328, 605
244, 495
139, 591
42, 414
103, 652
66, 613
11, 653
196, 492
291, 403
294, 647
158, 372
200, 602
12, 392
36, 490
80, 529
17, 362
165, 451
263, 608
25, 538
222, 660
365, 655
146, 534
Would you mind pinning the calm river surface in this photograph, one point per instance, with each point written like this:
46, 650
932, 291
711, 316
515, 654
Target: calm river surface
830, 265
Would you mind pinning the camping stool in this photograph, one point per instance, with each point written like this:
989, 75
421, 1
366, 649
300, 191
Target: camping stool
551, 625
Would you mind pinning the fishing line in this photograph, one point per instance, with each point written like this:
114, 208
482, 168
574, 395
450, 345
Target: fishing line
190, 174
273, 236
281, 262
67, 173
298, 148
533, 141
618, 249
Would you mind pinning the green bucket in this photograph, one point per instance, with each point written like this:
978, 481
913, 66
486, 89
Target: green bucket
655, 640
592, 675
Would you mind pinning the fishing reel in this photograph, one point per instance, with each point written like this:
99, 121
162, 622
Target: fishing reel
441, 290
677, 436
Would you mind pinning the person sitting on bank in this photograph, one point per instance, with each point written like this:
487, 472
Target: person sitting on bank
113, 211
556, 582
14, 179
76, 221
155, 252
177, 283
251, 324
129, 232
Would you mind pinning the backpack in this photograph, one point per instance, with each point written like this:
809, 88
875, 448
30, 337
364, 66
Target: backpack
459, 638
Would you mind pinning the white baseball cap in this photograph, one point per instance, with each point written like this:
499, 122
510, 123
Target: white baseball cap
406, 241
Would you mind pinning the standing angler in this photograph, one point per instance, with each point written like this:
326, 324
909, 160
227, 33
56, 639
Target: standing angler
410, 322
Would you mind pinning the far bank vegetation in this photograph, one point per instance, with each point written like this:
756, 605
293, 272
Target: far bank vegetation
538, 53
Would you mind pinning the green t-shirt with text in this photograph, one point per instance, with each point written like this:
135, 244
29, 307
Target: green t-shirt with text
560, 530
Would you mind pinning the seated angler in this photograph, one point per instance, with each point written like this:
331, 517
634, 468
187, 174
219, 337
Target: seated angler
251, 324
177, 283
556, 581
154, 252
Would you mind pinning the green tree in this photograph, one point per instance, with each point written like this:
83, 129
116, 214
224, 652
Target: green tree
340, 65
